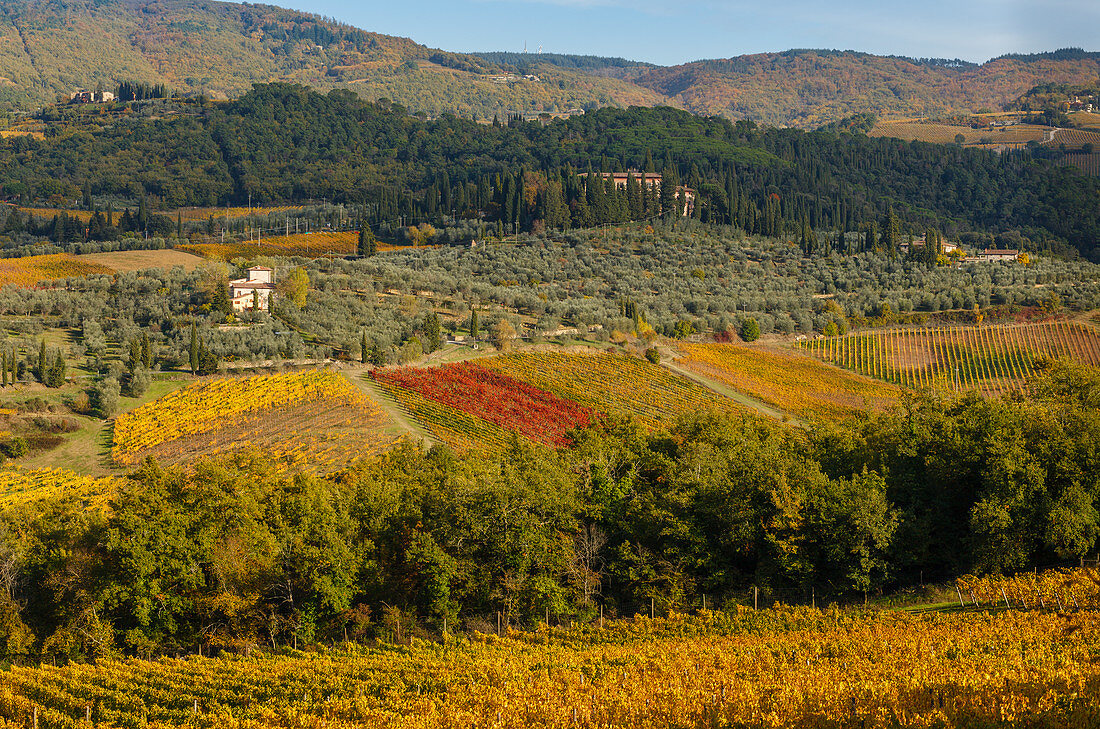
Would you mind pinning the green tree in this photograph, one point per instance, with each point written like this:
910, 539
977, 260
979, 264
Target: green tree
368, 244
433, 332
750, 330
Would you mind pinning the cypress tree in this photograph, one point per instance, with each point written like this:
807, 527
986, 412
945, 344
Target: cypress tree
194, 349
42, 362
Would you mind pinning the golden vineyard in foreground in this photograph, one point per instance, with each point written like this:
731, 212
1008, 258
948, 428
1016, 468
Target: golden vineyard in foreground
785, 667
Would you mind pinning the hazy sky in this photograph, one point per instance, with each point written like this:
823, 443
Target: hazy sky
674, 31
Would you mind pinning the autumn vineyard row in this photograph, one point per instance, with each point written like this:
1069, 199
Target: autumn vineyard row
988, 358
315, 418
782, 667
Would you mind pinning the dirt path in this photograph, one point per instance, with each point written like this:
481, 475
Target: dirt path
402, 423
727, 391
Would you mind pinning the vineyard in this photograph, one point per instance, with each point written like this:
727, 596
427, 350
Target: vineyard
612, 384
783, 667
1018, 134
793, 383
20, 486
1075, 138
32, 269
195, 214
490, 396
989, 358
84, 216
1061, 589
306, 245
316, 421
1087, 163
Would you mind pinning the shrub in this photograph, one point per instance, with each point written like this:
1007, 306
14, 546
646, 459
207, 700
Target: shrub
653, 355
14, 447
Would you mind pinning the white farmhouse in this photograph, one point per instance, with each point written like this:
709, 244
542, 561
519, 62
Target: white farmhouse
257, 288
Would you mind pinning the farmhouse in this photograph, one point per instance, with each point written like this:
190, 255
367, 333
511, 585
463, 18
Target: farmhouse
996, 254
945, 247
992, 255
257, 288
83, 96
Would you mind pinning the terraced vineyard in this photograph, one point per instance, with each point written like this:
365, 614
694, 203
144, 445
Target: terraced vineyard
772, 669
19, 486
989, 358
316, 421
613, 384
791, 382
30, 270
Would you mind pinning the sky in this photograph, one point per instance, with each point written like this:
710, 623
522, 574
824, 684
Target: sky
674, 31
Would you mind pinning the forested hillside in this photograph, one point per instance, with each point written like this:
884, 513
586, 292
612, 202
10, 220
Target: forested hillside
282, 143
221, 49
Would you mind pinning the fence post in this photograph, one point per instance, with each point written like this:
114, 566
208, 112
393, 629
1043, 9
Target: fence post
960, 595
755, 596
1007, 603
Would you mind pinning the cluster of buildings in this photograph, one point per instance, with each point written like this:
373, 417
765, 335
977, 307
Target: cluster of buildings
253, 292
989, 255
650, 181
83, 96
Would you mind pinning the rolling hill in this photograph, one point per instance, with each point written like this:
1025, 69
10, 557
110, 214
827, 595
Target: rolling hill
49, 49
808, 88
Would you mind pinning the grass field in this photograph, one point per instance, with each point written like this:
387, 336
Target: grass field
123, 261
770, 669
990, 358
612, 384
315, 420
790, 381
30, 270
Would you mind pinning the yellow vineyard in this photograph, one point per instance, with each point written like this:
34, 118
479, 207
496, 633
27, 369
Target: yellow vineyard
30, 270
612, 384
793, 383
20, 486
787, 667
316, 421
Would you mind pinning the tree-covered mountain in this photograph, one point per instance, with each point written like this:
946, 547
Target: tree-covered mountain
808, 88
49, 49
282, 142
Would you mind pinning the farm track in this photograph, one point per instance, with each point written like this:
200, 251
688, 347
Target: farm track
403, 422
728, 392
